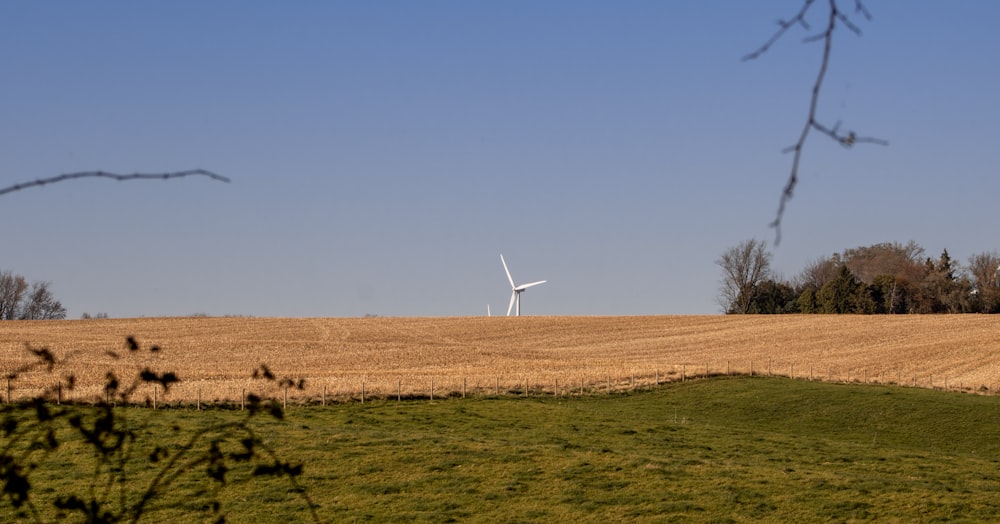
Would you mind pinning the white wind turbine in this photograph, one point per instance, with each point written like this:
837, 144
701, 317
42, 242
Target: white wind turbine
515, 295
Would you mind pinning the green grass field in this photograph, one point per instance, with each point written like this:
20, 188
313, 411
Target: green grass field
719, 450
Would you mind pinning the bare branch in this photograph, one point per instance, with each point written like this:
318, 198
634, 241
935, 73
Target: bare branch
847, 23
850, 138
859, 7
846, 140
113, 176
814, 38
783, 26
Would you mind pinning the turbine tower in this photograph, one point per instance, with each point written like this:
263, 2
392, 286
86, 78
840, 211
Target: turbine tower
515, 294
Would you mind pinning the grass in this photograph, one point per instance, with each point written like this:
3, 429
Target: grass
720, 450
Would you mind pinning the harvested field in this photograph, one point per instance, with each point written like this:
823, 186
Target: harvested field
386, 357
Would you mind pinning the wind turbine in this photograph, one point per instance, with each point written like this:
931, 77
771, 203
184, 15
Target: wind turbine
515, 295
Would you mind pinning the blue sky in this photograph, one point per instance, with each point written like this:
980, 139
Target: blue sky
384, 154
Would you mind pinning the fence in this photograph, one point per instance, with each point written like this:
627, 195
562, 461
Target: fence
369, 387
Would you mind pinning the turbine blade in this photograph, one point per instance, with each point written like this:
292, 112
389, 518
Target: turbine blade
505, 270
513, 295
522, 287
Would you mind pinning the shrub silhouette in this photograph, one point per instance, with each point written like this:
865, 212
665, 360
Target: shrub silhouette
225, 454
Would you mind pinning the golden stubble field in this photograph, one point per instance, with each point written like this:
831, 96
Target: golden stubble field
338, 357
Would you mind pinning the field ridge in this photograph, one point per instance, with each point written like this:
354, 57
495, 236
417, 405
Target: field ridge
415, 356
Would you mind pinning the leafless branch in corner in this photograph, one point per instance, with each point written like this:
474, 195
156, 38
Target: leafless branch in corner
113, 176
845, 139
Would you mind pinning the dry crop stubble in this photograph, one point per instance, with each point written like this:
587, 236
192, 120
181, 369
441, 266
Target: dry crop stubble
215, 357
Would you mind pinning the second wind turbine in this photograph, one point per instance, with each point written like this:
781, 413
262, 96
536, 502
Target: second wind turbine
515, 295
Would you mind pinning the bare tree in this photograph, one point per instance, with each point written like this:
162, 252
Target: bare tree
834, 18
984, 269
888, 258
818, 272
41, 305
12, 288
744, 266
17, 302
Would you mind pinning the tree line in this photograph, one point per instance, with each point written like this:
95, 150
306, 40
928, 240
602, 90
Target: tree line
886, 278
20, 301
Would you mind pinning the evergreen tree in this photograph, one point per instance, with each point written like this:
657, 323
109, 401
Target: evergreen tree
771, 298
807, 301
839, 295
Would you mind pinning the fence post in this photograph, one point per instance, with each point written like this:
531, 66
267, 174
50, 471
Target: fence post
465, 383
9, 399
769, 366
324, 394
432, 389
362, 391
727, 368
657, 377
497, 384
557, 387
198, 404
243, 398
399, 390
526, 386
791, 371
751, 368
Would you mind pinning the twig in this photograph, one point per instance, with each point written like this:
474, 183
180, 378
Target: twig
113, 176
846, 140
783, 26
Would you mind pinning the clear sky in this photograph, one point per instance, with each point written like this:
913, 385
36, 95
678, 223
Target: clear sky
384, 154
